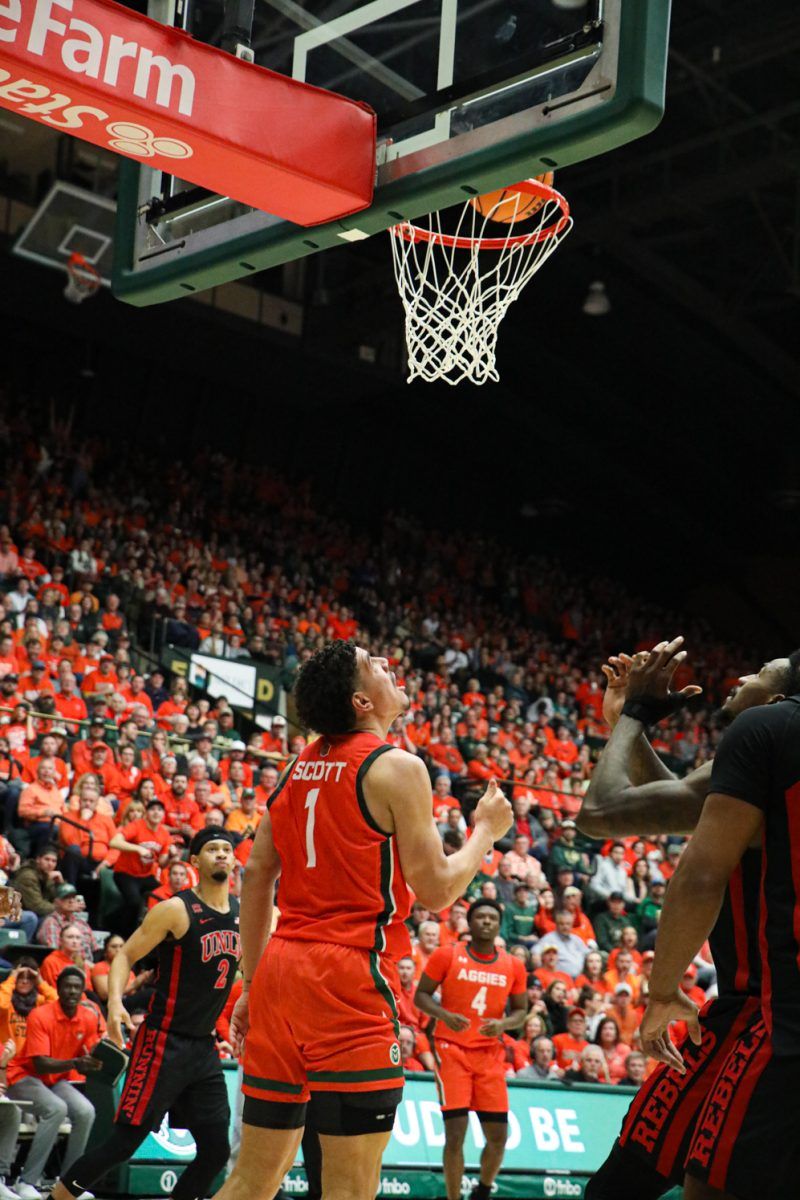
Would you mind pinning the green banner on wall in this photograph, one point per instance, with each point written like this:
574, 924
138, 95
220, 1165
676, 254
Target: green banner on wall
558, 1136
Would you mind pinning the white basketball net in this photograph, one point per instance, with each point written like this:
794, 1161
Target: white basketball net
457, 287
82, 280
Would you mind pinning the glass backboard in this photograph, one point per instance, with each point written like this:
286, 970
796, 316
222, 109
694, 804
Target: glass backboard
470, 95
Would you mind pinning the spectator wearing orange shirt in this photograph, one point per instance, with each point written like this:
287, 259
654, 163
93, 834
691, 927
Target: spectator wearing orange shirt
570, 1046
103, 680
481, 768
547, 973
20, 731
615, 1050
86, 845
55, 1054
103, 767
446, 755
20, 993
9, 664
82, 751
39, 802
69, 953
124, 777
9, 558
571, 900
456, 924
245, 819
112, 619
69, 703
236, 755
177, 881
135, 991
54, 594
183, 813
176, 703
427, 941
407, 1010
143, 846
622, 972
624, 1013
36, 683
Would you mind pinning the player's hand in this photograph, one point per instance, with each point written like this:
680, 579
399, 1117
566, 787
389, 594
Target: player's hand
455, 1021
494, 811
87, 1063
10, 904
117, 1017
650, 677
654, 1030
491, 1028
616, 671
240, 1023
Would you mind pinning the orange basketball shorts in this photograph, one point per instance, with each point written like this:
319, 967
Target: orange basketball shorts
471, 1079
323, 1017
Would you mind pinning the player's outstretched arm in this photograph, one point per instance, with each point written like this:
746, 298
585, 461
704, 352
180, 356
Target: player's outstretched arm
169, 917
397, 789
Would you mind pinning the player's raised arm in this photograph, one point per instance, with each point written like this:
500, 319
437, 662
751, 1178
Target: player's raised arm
614, 804
398, 786
169, 917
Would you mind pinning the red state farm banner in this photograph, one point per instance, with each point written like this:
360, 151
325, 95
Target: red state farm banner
105, 74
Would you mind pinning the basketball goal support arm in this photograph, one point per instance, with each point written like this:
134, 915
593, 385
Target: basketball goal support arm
237, 35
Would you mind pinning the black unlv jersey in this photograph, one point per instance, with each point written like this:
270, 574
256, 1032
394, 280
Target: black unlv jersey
759, 762
734, 938
196, 972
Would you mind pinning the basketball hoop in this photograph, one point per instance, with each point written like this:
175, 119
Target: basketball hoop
453, 299
83, 279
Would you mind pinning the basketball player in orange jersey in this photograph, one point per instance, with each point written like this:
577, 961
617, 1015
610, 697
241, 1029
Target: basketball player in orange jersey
475, 982
347, 825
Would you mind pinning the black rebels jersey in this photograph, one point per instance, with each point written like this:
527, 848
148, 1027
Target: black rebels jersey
734, 938
759, 762
196, 972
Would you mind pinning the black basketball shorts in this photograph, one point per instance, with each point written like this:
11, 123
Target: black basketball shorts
169, 1072
650, 1153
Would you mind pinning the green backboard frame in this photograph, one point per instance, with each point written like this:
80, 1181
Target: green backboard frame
583, 130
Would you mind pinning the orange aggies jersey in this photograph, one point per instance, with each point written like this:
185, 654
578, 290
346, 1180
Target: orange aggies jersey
341, 879
475, 985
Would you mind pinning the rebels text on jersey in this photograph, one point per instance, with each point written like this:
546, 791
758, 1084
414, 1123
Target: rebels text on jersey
475, 985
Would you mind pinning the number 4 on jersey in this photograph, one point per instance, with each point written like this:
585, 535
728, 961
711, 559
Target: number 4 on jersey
479, 1003
311, 851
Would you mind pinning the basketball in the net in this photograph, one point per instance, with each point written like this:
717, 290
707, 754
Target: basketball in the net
508, 205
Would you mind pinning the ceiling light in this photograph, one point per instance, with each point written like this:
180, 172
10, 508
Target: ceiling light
597, 303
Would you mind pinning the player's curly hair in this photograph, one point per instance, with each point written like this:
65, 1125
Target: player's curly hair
324, 689
792, 685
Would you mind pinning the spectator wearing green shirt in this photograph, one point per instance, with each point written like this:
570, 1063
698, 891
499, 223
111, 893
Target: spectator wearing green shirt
566, 854
648, 914
608, 926
518, 918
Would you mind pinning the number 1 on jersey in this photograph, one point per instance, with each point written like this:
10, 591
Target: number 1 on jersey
311, 804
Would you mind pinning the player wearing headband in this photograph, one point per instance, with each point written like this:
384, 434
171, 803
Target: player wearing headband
174, 1065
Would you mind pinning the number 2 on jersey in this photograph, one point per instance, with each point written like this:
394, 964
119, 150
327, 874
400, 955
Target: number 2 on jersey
311, 850
479, 1003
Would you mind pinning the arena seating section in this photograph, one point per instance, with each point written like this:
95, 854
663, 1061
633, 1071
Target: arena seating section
123, 553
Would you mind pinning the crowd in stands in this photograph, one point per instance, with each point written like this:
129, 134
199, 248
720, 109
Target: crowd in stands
108, 765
